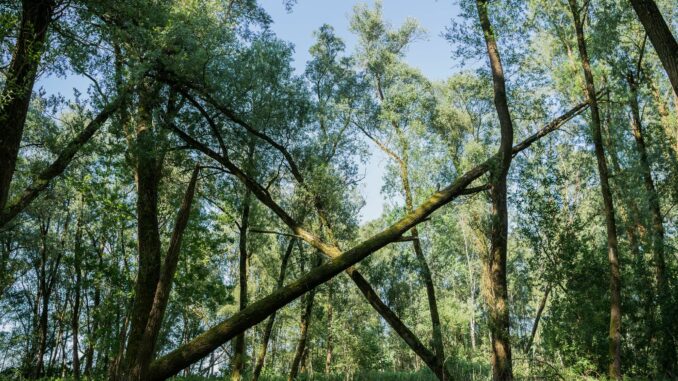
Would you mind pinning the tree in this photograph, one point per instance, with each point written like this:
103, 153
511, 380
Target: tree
496, 293
608, 207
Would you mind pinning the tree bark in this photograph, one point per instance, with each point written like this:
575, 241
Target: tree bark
612, 246
660, 35
496, 290
666, 351
35, 19
271, 320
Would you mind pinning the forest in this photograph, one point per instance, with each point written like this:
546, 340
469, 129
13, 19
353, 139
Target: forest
194, 211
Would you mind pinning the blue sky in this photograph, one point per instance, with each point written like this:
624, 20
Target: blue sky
431, 55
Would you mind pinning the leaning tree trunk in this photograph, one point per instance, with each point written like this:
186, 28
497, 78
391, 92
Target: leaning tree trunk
612, 246
660, 35
535, 326
35, 19
496, 290
666, 351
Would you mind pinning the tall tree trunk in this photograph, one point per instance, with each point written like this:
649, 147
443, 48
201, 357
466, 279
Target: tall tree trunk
148, 169
612, 246
238, 361
271, 320
35, 19
496, 290
631, 217
660, 35
666, 351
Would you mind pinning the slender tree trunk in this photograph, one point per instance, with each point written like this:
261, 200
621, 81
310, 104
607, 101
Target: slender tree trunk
94, 331
38, 363
631, 217
75, 319
535, 326
330, 338
660, 35
239, 346
35, 19
238, 362
666, 351
496, 290
472, 293
269, 323
425, 273
57, 338
612, 246
424, 270
301, 345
